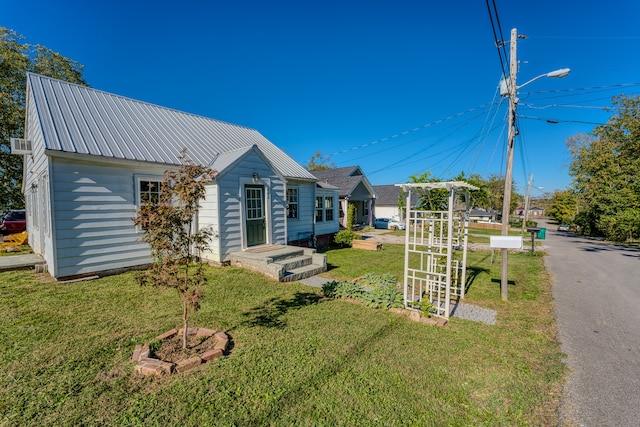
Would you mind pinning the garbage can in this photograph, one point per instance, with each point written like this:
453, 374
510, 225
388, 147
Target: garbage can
542, 233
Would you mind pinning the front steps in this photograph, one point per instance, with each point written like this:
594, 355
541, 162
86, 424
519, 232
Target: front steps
282, 263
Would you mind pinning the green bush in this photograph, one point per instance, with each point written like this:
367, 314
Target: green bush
346, 237
375, 291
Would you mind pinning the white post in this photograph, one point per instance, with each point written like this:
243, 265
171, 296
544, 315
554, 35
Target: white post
406, 247
447, 297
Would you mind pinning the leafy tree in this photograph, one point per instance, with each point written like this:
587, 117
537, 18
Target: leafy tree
430, 200
16, 58
169, 228
604, 167
563, 206
320, 162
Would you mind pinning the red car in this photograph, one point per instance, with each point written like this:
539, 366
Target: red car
14, 221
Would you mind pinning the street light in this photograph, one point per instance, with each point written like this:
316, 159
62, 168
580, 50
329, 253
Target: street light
511, 89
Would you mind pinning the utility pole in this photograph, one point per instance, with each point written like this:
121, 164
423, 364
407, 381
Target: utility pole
526, 204
506, 205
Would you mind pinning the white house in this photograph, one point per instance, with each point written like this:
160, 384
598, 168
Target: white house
91, 158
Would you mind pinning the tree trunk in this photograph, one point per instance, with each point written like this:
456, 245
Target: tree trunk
185, 323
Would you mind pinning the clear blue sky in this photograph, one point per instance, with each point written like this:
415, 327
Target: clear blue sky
350, 78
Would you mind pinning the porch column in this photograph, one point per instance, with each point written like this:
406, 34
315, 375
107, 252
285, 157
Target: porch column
370, 212
345, 204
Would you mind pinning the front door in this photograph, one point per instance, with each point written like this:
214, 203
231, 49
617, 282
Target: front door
256, 224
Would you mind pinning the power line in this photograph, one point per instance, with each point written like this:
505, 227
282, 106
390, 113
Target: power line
407, 132
499, 42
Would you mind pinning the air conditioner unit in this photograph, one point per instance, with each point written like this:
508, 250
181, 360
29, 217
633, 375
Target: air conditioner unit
20, 146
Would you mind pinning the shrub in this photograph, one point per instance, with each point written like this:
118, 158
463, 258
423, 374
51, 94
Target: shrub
373, 290
346, 237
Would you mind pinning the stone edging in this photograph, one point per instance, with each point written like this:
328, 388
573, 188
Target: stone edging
417, 316
150, 366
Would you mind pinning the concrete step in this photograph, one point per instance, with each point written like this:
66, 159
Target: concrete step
302, 272
295, 262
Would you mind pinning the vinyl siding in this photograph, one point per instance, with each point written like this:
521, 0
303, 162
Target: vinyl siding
302, 227
328, 227
36, 188
93, 208
208, 217
231, 197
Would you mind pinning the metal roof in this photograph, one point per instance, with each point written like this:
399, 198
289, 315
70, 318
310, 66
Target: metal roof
79, 119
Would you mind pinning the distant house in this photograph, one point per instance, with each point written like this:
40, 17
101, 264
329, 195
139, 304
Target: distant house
388, 201
480, 215
354, 188
533, 212
92, 158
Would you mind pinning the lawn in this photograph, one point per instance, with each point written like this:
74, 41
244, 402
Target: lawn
297, 358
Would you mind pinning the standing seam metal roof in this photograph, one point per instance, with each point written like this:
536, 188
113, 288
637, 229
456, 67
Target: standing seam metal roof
79, 119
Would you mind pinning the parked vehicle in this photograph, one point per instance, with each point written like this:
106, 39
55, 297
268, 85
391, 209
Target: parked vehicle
14, 221
563, 227
389, 223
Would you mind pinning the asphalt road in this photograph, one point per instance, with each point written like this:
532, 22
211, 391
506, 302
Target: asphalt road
596, 287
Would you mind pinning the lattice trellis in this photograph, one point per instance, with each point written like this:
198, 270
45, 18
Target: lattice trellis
431, 272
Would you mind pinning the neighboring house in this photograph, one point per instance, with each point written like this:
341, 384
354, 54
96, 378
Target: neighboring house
387, 202
91, 158
354, 188
480, 215
534, 211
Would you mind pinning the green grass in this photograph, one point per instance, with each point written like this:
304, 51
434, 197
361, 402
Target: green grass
297, 358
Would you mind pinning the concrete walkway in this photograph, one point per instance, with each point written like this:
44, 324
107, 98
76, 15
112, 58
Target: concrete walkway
17, 262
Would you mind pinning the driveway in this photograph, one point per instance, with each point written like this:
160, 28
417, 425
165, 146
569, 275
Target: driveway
596, 287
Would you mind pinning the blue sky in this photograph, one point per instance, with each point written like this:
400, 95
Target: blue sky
397, 87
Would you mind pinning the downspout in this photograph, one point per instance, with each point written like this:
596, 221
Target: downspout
313, 216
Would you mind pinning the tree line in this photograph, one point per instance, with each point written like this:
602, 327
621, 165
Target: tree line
604, 198
16, 59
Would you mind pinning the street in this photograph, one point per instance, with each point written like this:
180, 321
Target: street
596, 287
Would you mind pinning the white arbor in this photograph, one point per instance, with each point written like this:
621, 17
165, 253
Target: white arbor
431, 271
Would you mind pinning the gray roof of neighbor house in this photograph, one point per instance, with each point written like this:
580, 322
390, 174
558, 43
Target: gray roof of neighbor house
346, 179
79, 119
388, 195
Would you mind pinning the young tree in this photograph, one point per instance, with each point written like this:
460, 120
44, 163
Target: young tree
16, 58
169, 228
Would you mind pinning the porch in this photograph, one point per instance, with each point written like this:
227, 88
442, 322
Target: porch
280, 262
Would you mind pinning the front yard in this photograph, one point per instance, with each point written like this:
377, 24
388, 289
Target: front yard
296, 359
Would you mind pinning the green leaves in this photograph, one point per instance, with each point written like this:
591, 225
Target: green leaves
16, 58
373, 290
605, 167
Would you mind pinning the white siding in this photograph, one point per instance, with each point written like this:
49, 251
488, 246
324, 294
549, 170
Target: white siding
302, 227
208, 217
93, 208
328, 227
387, 212
231, 193
36, 189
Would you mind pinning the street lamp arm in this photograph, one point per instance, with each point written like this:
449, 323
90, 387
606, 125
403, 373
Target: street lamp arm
563, 72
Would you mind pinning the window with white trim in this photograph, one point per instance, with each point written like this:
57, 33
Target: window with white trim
148, 193
292, 202
318, 209
328, 208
